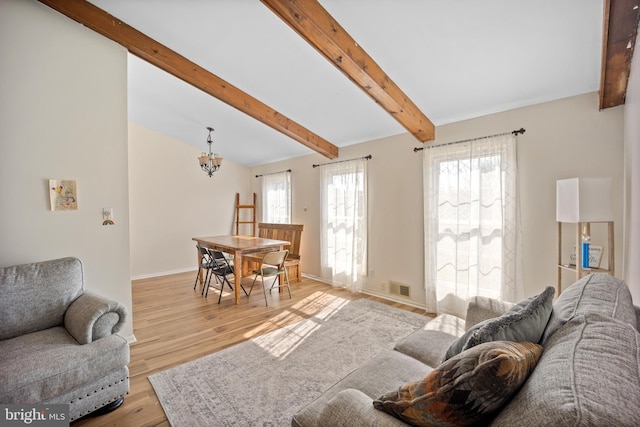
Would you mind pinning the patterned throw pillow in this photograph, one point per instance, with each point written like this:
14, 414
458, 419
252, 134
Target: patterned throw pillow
525, 321
465, 389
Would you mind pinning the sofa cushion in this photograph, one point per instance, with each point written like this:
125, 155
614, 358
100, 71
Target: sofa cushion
481, 308
588, 375
465, 389
386, 371
42, 365
525, 321
26, 304
596, 293
429, 344
351, 408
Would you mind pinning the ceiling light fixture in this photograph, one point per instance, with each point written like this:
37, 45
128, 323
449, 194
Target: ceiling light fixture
210, 162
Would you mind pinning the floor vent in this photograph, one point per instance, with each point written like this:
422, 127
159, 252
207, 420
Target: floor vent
397, 288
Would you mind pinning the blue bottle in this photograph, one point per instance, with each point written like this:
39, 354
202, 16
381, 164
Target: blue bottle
585, 252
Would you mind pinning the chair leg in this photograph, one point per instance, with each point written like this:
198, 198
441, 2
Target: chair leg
244, 290
286, 279
197, 277
277, 279
224, 279
253, 283
264, 291
208, 286
208, 282
280, 285
205, 282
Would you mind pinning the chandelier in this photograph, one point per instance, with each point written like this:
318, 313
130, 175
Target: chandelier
210, 162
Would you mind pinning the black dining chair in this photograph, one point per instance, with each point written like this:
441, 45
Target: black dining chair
221, 269
204, 264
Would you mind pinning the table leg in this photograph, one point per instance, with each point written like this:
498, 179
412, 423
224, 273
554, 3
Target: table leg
237, 275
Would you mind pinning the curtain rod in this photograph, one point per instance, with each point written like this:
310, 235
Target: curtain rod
513, 132
273, 173
369, 157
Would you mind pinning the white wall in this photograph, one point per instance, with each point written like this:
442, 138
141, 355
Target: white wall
172, 200
63, 92
563, 139
632, 179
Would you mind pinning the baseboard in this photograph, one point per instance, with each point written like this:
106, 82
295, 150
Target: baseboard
387, 297
317, 279
164, 273
131, 339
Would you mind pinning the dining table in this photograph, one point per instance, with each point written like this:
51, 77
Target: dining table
237, 246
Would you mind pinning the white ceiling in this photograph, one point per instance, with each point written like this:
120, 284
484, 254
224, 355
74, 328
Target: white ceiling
454, 59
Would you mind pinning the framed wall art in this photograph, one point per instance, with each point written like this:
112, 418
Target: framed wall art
63, 194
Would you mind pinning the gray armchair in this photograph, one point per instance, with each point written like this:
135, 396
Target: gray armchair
58, 343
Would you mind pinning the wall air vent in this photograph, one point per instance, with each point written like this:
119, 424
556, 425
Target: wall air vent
400, 289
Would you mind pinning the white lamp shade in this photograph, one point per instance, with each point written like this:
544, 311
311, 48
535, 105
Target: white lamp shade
584, 200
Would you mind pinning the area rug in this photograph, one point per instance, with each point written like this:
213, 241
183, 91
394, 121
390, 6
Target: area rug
264, 381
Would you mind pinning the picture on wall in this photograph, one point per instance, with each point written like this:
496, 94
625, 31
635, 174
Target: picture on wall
63, 194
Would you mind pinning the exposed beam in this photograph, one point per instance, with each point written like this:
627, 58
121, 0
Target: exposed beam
620, 28
170, 61
311, 21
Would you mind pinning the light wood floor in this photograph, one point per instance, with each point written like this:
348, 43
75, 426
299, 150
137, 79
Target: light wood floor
174, 324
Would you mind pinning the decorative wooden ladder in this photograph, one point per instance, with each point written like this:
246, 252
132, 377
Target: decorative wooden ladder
239, 207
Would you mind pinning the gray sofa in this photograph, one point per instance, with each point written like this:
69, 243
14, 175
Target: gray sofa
57, 341
588, 374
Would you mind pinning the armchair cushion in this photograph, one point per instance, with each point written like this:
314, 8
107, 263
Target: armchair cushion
35, 296
91, 317
42, 365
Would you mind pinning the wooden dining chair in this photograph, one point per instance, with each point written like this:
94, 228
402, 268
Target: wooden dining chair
272, 264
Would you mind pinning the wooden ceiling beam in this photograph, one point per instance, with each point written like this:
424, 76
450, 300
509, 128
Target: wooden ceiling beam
311, 21
170, 61
620, 29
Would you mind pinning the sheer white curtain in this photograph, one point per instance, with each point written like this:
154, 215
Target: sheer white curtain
472, 227
276, 198
343, 222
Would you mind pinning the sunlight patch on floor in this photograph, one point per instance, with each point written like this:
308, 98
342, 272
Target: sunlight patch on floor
282, 342
293, 327
280, 320
318, 303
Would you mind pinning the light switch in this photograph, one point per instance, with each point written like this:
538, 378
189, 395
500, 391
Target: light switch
107, 216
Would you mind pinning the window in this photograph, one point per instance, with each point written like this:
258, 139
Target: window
343, 234
276, 198
471, 223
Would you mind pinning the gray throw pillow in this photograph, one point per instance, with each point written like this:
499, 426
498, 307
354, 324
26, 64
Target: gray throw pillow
526, 321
